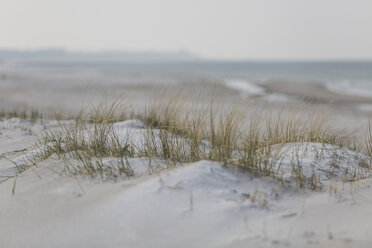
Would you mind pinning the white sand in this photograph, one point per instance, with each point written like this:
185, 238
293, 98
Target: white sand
196, 205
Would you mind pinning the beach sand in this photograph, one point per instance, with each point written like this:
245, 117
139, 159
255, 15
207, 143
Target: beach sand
67, 91
202, 204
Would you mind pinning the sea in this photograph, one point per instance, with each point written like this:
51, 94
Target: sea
347, 77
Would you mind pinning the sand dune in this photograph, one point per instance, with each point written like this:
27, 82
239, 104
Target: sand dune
203, 204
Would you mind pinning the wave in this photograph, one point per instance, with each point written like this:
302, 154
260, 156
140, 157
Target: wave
348, 87
245, 87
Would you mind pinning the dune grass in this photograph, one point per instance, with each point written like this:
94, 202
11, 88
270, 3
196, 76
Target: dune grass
182, 130
31, 114
88, 140
187, 128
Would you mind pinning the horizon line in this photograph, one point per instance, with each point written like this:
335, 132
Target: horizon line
193, 55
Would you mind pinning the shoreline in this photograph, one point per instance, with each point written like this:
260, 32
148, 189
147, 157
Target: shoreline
314, 92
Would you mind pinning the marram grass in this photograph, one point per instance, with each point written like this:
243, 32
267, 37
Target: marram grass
182, 130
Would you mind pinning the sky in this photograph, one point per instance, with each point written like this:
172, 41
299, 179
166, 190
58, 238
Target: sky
214, 29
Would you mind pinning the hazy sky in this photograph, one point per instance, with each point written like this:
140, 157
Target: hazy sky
227, 29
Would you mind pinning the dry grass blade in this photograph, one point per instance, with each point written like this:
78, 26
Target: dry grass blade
183, 130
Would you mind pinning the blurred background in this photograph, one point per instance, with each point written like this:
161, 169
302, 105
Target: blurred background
56, 56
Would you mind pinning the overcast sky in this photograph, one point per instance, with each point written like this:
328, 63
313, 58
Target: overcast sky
223, 29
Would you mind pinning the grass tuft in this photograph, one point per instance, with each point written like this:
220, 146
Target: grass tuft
184, 129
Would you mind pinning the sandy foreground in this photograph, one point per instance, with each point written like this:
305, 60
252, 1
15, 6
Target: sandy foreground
202, 204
